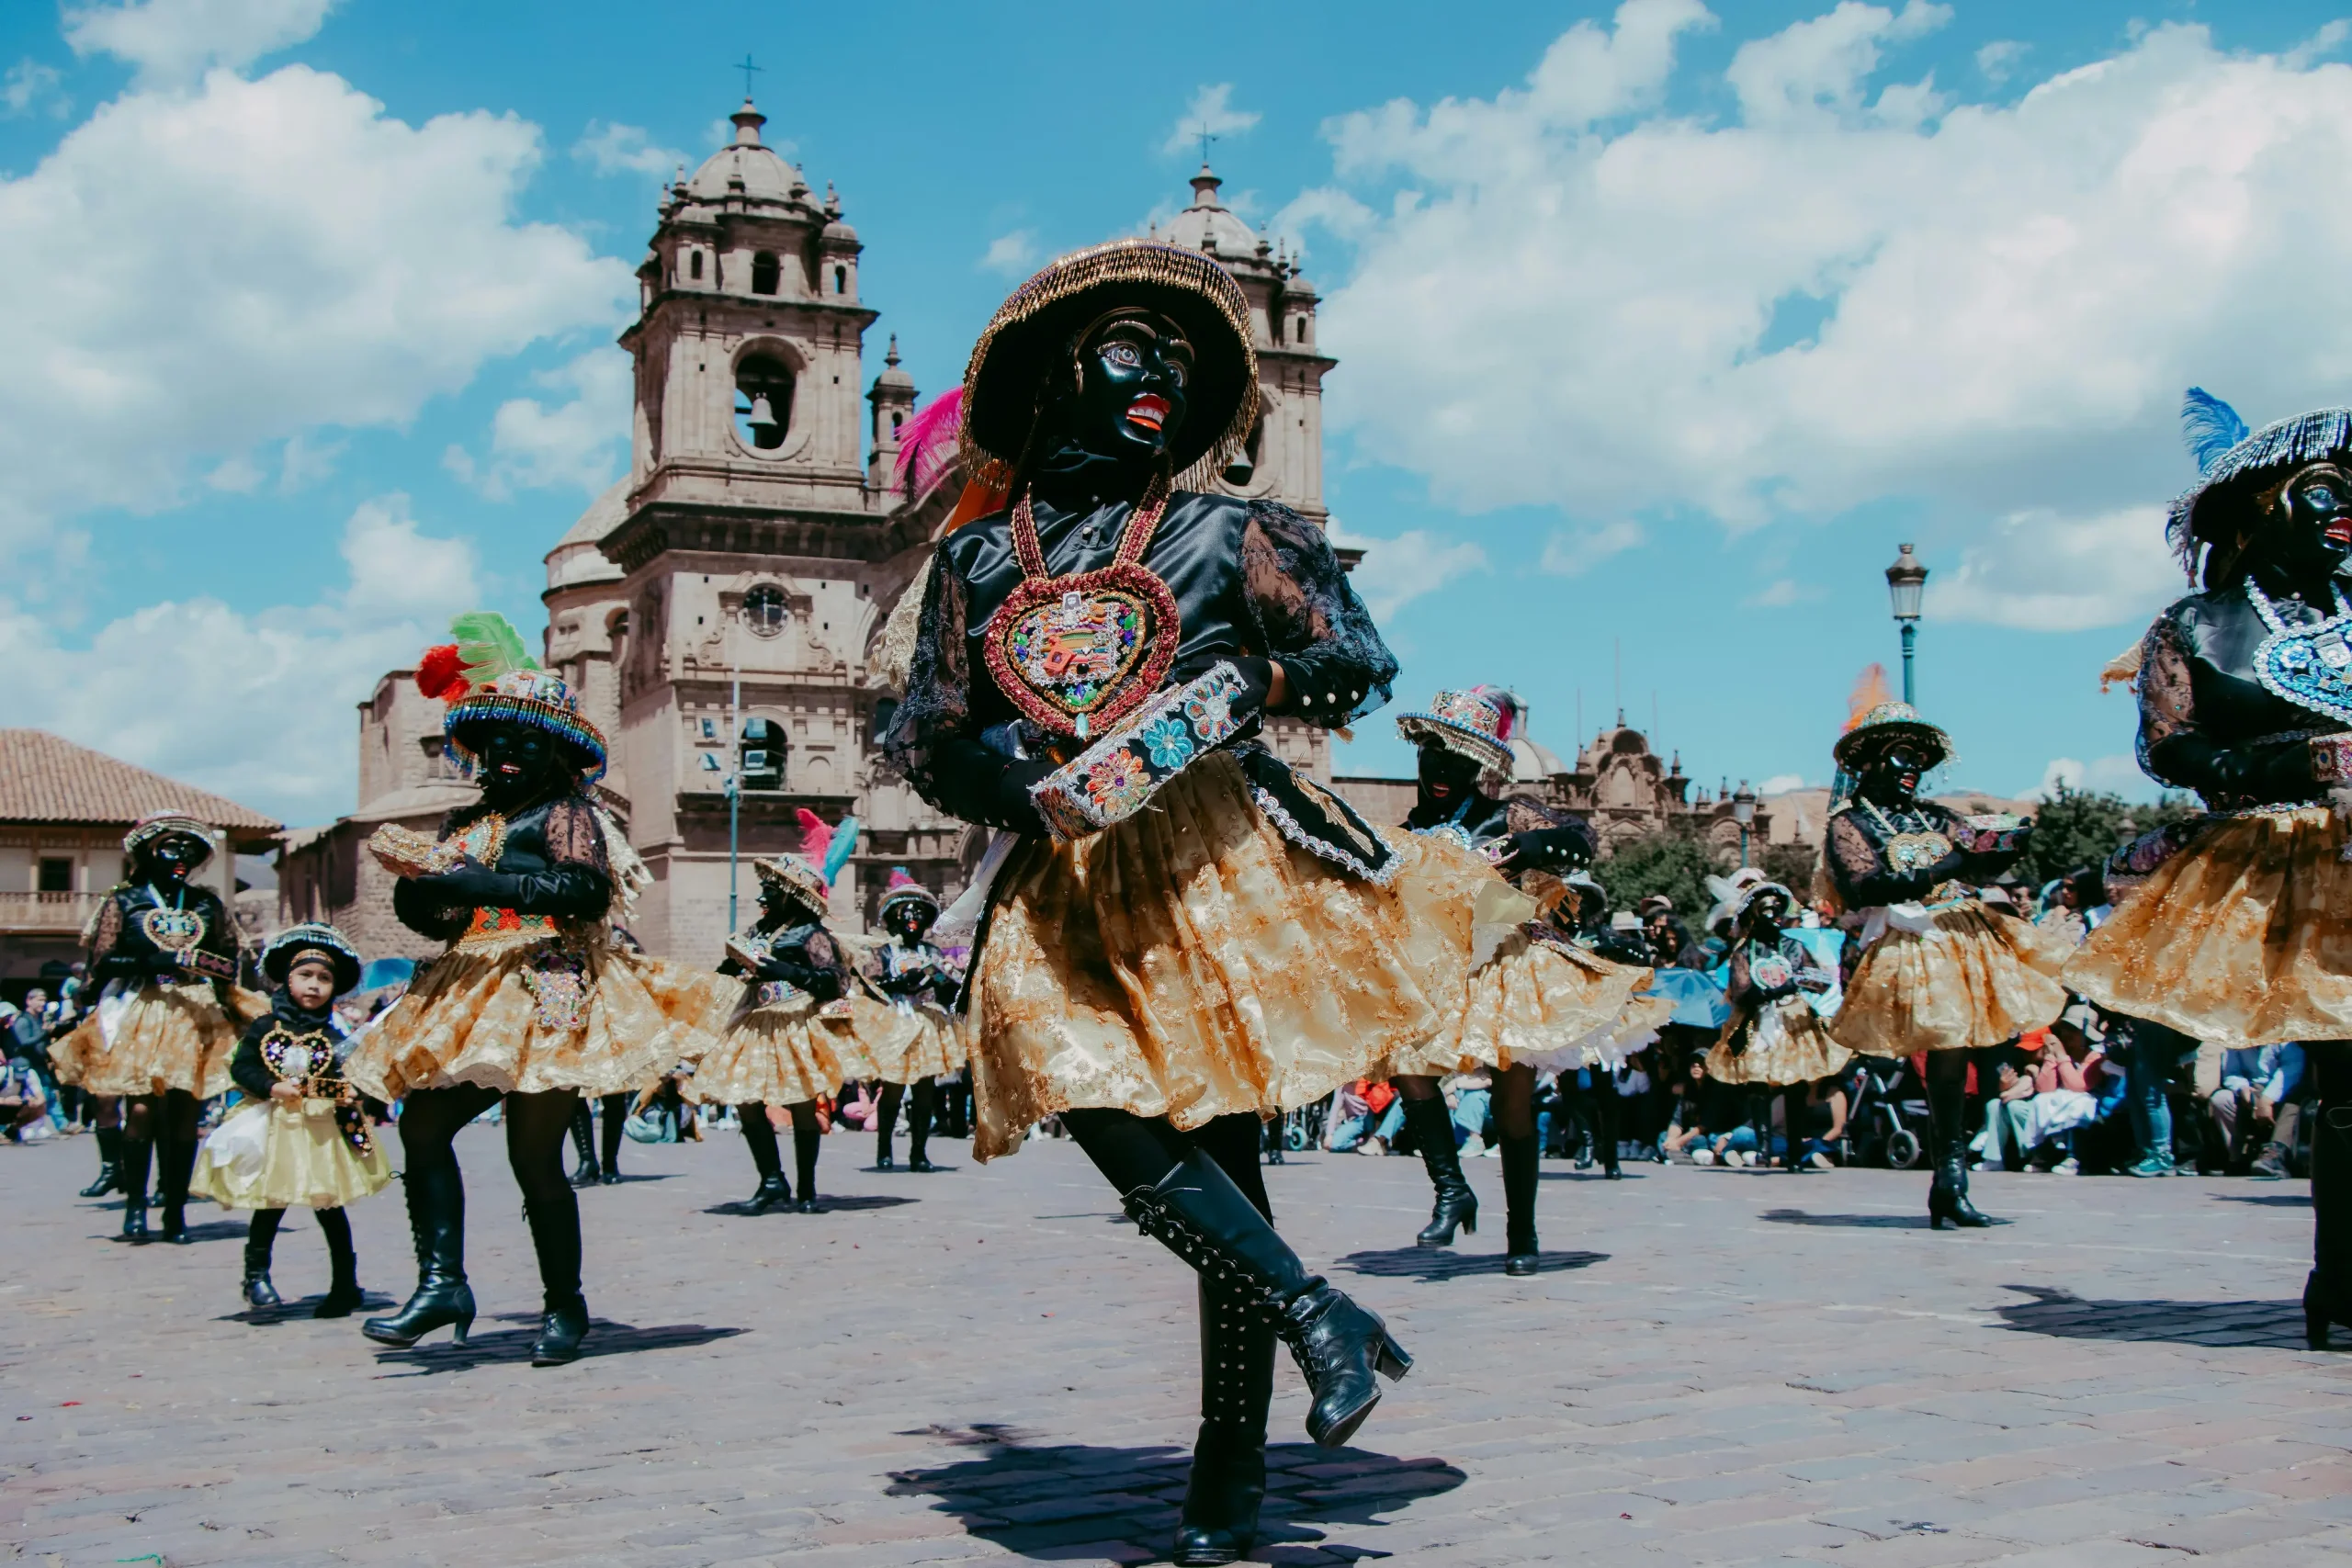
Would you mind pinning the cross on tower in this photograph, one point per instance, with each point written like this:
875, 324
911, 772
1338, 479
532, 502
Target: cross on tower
1206, 137
747, 68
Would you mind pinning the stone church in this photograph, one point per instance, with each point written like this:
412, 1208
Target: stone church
717, 609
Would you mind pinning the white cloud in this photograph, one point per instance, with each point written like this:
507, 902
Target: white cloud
1781, 783
1553, 304
1574, 554
1782, 593
1396, 572
173, 41
1012, 253
2109, 776
1211, 110
1999, 60
624, 150
2039, 570
32, 86
270, 721
253, 262
576, 443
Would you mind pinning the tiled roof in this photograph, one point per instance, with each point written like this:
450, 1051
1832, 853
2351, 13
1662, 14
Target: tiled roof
47, 778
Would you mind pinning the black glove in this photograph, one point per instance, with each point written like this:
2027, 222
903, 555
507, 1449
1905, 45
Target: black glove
1257, 679
1006, 802
1548, 849
2278, 771
572, 891
822, 983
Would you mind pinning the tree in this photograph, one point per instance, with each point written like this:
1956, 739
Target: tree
1673, 861
1792, 866
2081, 828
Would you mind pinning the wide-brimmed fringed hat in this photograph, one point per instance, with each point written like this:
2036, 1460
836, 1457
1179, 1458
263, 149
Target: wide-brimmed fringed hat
805, 879
314, 939
1479, 723
157, 826
2217, 516
489, 677
905, 889
1033, 339
1880, 727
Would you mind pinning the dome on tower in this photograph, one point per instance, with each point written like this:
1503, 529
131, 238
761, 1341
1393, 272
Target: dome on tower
576, 559
1532, 764
746, 168
1206, 225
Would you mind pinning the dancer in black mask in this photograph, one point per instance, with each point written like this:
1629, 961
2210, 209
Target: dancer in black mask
921, 985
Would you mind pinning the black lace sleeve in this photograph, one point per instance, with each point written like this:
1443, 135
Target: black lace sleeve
576, 839
930, 739
2176, 748
1315, 626
106, 959
246, 1069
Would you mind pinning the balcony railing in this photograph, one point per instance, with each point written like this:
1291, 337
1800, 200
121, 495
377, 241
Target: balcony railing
47, 911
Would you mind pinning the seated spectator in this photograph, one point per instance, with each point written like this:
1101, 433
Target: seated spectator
1824, 1132
860, 1108
1355, 1117
2003, 1128
2064, 1075
2250, 1101
23, 1103
1471, 1098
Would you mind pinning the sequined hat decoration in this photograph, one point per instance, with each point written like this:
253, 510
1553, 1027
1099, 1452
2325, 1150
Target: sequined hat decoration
489, 677
905, 889
1882, 725
1756, 890
159, 825
1006, 381
2233, 462
806, 878
1479, 723
314, 939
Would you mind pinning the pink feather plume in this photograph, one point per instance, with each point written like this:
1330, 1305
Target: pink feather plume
816, 836
1514, 710
927, 442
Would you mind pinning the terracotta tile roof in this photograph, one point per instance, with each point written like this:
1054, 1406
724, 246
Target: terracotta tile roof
47, 778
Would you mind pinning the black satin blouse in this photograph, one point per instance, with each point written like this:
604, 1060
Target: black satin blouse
553, 863
2205, 723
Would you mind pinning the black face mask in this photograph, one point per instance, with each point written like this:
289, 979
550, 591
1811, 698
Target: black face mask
909, 921
170, 861
1130, 397
1764, 918
1446, 777
2311, 538
1892, 778
519, 764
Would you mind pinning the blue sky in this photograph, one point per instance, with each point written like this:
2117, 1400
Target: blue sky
1659, 328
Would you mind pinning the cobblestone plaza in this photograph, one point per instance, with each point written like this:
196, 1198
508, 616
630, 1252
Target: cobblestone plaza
1717, 1367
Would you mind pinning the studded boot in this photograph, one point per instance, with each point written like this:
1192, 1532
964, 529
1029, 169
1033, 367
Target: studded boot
1432, 1127
260, 1235
1521, 1178
1219, 1523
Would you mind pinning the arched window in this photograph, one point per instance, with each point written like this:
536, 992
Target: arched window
694, 266
764, 273
761, 753
764, 400
763, 610
840, 280
1298, 329
896, 421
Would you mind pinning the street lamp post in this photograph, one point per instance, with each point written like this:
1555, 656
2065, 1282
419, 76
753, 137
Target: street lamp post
1906, 580
1742, 811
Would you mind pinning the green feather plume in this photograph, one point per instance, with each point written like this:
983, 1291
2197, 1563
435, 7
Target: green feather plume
489, 647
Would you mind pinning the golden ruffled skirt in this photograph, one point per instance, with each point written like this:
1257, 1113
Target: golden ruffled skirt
160, 1037
1788, 1043
921, 1041
2243, 938
1541, 1005
1191, 963
1971, 979
306, 1162
787, 1051
505, 1013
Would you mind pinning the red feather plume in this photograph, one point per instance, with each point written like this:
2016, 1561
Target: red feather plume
440, 673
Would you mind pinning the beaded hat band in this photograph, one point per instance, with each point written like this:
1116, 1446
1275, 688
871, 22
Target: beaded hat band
157, 826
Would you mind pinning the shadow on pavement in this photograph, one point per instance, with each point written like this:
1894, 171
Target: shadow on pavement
827, 1203
1852, 1221
606, 1338
372, 1304
2267, 1199
1443, 1263
1049, 1502
2065, 1315
210, 1230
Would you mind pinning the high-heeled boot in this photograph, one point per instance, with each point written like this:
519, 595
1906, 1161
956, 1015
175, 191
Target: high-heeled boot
1432, 1126
614, 1115
1605, 1123
921, 1101
1342, 1350
2328, 1293
886, 1123
260, 1235
175, 1165
344, 1296
586, 1172
436, 1219
1219, 1523
1948, 1193
555, 1236
807, 1144
110, 1163
1521, 1174
137, 1153
759, 1137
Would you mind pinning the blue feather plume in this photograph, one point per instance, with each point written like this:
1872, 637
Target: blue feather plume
837, 853
2209, 426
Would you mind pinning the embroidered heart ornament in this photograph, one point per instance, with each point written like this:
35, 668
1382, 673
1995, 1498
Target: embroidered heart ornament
173, 930
1076, 654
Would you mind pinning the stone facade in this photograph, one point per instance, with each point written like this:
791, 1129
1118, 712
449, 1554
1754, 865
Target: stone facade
717, 610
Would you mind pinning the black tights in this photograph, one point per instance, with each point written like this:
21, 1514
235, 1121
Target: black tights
925, 1096
333, 1224
1514, 1098
1137, 1151
1947, 1102
167, 1123
535, 1127
807, 1142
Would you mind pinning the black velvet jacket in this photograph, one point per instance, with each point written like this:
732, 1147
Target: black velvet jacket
802, 956
2205, 720
1865, 879
251, 1071
119, 948
553, 863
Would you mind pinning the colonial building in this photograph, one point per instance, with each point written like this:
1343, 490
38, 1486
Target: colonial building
717, 610
63, 810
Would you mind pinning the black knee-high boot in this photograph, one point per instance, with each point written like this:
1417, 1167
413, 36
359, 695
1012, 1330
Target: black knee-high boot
343, 1294
613, 1110
2328, 1293
1177, 1193
805, 1143
260, 1235
1219, 1523
554, 1219
921, 1101
886, 1121
1947, 1106
1792, 1107
176, 1142
759, 1137
436, 1216
110, 1163
1432, 1126
1605, 1123
137, 1153
1521, 1175
586, 1172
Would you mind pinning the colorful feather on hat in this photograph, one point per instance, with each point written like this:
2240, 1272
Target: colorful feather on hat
2209, 426
1513, 706
844, 845
441, 673
815, 835
928, 441
489, 647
